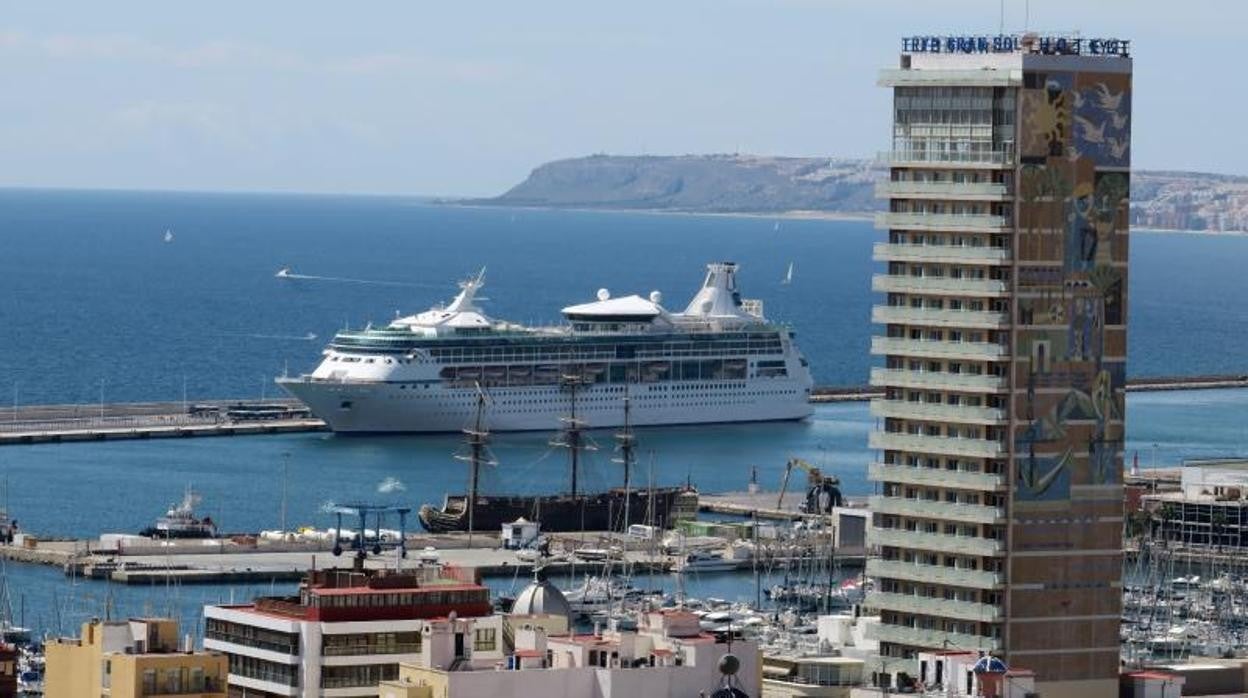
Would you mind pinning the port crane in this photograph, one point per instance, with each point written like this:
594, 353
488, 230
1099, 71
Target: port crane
822, 491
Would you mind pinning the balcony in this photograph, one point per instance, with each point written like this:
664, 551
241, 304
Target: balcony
938, 542
931, 317
883, 472
944, 511
937, 380
270, 644
932, 349
933, 639
953, 254
964, 191
933, 574
369, 650
907, 409
1004, 77
937, 285
944, 445
990, 159
931, 606
952, 222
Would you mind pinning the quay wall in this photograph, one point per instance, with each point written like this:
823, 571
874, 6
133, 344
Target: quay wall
167, 420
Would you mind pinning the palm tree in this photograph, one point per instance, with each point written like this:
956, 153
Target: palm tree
1218, 524
1166, 514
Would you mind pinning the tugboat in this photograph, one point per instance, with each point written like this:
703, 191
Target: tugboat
180, 521
570, 511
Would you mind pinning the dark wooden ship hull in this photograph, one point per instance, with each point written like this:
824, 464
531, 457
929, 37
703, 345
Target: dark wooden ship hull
602, 511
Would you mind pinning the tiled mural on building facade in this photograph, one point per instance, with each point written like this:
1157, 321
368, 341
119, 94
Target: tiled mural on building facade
1074, 142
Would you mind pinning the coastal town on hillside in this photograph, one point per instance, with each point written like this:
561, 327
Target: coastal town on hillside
757, 184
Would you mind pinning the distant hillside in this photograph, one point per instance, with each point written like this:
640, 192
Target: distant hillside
773, 185
699, 183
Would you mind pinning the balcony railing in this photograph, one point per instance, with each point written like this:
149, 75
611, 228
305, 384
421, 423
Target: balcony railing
978, 222
973, 191
291, 647
926, 348
945, 511
933, 606
989, 158
957, 254
932, 317
933, 639
944, 445
359, 650
941, 285
940, 380
933, 574
939, 542
906, 409
283, 678
883, 472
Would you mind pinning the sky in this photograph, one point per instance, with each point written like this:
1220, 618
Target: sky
464, 98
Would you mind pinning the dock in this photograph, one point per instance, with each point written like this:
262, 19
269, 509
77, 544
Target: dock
245, 560
172, 420
150, 420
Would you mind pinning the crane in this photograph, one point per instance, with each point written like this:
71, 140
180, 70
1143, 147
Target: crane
822, 491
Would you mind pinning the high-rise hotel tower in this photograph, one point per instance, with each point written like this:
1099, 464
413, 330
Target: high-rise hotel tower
997, 520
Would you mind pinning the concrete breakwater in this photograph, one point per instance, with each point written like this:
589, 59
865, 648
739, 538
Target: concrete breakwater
157, 420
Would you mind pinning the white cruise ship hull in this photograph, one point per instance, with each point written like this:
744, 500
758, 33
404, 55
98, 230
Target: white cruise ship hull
427, 406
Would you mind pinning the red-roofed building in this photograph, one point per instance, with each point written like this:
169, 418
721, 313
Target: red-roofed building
346, 631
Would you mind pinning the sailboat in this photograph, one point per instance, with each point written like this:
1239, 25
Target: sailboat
788, 276
168, 235
572, 510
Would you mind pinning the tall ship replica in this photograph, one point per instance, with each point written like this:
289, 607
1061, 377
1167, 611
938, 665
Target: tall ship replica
719, 360
614, 509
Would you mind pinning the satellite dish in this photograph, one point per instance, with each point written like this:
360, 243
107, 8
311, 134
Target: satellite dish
656, 297
706, 307
603, 294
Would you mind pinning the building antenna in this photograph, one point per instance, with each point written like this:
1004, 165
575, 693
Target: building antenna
1001, 21
1026, 15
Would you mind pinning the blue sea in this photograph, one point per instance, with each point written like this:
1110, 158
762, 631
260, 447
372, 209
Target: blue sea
93, 300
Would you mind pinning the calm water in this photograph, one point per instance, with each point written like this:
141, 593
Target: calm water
91, 296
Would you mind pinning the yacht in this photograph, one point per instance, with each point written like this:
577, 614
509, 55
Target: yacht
718, 360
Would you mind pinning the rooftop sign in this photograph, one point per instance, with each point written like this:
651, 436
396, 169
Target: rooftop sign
1018, 43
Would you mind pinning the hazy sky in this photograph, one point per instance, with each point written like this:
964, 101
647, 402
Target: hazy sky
464, 98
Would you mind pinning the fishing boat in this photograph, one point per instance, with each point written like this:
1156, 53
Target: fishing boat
180, 521
572, 510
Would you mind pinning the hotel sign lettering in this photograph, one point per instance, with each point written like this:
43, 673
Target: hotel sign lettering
1004, 43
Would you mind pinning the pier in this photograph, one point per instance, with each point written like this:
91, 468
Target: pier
153, 420
169, 420
240, 561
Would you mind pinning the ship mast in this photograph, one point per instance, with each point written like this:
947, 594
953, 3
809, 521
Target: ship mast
476, 437
573, 430
625, 443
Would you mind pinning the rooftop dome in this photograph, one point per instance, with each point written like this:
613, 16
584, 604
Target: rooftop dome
990, 665
541, 597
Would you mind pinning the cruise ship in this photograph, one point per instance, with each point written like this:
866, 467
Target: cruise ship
718, 360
